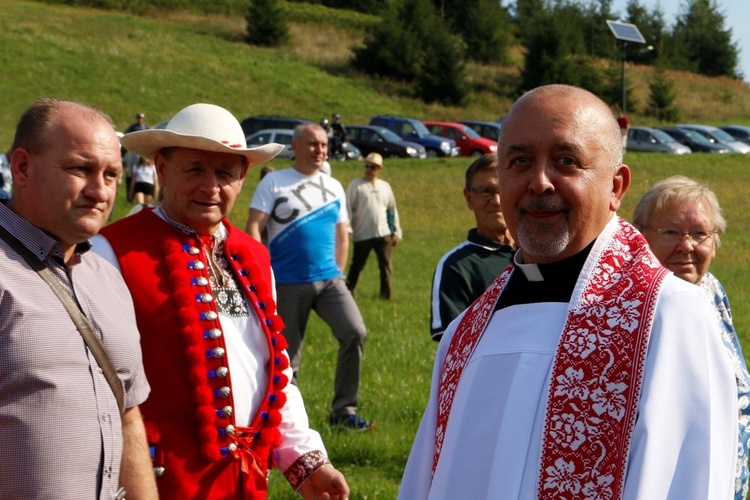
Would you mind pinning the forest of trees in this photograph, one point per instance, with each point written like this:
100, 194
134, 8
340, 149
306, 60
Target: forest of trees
417, 40
427, 43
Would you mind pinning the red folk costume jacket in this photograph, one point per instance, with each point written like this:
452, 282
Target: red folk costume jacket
189, 415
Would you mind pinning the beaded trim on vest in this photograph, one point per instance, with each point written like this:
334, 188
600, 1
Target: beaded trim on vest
205, 350
597, 372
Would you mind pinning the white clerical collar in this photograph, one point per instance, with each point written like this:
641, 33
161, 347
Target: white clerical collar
531, 271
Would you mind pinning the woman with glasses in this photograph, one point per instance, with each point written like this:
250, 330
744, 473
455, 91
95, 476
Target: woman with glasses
682, 221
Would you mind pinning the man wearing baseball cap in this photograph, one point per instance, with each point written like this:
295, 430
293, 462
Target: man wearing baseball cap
375, 223
140, 124
222, 411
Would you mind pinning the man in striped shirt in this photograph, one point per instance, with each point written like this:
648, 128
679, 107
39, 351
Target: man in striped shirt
61, 431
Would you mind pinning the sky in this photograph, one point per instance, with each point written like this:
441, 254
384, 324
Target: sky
736, 17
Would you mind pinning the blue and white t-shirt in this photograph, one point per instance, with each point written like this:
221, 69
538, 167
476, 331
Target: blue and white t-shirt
303, 213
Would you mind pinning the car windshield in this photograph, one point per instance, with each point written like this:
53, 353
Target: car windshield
662, 136
470, 132
419, 128
388, 135
696, 137
721, 135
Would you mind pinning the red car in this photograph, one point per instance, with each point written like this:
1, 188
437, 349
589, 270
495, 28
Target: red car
471, 143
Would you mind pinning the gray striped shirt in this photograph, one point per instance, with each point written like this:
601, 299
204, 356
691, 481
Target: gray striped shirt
60, 429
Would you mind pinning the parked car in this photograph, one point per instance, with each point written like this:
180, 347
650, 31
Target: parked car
696, 142
716, 135
413, 130
470, 142
739, 132
370, 139
490, 130
253, 124
280, 136
652, 140
348, 152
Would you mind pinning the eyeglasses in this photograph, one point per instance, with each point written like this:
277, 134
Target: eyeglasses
669, 236
485, 194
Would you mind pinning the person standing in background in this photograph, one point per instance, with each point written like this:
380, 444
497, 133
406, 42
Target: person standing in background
140, 124
682, 222
6, 179
465, 272
624, 123
375, 224
305, 213
144, 183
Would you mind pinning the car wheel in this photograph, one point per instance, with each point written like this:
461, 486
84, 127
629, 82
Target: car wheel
476, 153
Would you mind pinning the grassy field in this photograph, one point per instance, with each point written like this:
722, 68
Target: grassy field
160, 64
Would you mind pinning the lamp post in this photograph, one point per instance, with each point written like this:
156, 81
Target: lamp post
623, 44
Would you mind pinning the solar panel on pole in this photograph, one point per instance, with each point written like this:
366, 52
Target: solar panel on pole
625, 32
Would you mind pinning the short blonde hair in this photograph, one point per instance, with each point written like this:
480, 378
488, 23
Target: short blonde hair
674, 192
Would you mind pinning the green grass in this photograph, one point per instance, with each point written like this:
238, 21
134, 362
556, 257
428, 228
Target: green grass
158, 65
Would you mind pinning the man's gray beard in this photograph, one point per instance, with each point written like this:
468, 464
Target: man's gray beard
542, 242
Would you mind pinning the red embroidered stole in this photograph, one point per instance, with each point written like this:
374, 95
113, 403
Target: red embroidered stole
597, 372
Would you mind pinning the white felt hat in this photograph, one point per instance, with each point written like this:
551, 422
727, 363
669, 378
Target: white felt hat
200, 126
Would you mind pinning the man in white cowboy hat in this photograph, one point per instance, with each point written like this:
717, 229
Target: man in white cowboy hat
305, 213
222, 410
375, 223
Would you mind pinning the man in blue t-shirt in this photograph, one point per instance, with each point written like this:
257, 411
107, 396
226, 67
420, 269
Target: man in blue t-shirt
305, 214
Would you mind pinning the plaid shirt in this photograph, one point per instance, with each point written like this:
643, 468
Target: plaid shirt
60, 428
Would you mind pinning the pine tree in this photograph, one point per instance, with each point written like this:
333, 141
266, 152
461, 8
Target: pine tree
484, 25
393, 47
555, 52
661, 98
266, 23
653, 28
706, 44
595, 30
412, 43
526, 17
442, 72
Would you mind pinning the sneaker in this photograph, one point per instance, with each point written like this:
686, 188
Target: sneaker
350, 422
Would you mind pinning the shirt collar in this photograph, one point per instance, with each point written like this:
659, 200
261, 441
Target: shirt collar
563, 270
219, 235
37, 241
476, 239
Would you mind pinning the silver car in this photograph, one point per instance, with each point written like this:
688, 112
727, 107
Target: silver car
278, 135
718, 136
648, 139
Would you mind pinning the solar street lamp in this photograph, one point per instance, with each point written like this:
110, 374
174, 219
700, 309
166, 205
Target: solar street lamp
625, 32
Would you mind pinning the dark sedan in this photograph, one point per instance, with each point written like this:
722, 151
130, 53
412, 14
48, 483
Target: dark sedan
696, 142
372, 139
739, 132
490, 130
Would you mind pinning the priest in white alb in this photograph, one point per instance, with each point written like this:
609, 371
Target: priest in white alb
586, 370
